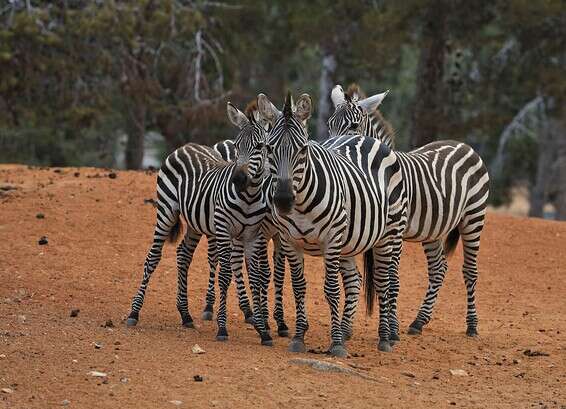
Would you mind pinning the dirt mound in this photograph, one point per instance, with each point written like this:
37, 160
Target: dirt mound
98, 226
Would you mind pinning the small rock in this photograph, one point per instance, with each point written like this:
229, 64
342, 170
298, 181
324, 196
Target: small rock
77, 174
7, 390
2, 356
197, 349
108, 324
66, 402
42, 240
124, 380
198, 378
214, 403
529, 352
112, 175
97, 374
408, 374
40, 216
21, 319
75, 312
435, 377
97, 345
458, 372
176, 402
516, 361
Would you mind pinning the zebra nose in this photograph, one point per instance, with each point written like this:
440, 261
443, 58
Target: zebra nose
240, 179
284, 197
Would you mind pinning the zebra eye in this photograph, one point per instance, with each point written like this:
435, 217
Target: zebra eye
353, 126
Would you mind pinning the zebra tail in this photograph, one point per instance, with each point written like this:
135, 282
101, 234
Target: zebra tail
368, 278
451, 241
175, 231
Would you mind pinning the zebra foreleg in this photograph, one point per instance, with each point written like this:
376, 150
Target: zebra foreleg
259, 275
396, 247
224, 278
332, 294
351, 280
185, 252
299, 284
208, 312
279, 281
437, 266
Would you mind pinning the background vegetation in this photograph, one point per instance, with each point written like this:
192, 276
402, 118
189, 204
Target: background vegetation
85, 82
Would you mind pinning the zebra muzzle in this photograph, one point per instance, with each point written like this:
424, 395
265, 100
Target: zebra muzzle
284, 199
240, 179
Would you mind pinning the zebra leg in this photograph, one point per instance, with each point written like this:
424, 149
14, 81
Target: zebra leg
185, 252
259, 274
237, 261
279, 281
351, 280
394, 290
166, 220
470, 232
382, 259
207, 314
296, 264
224, 248
437, 267
332, 294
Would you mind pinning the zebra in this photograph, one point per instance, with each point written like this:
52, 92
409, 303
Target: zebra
332, 201
228, 151
219, 199
447, 185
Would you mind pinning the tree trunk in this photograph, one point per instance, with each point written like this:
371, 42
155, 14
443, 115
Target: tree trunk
136, 136
328, 68
427, 110
559, 178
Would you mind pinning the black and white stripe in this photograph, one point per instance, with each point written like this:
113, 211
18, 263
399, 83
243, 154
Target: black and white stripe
333, 201
447, 186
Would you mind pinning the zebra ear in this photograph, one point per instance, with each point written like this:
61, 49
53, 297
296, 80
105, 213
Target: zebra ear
337, 95
370, 104
303, 108
269, 112
236, 116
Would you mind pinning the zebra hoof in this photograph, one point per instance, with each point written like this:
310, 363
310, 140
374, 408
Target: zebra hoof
206, 315
414, 331
266, 340
297, 345
384, 346
472, 332
282, 330
338, 350
131, 322
347, 334
222, 334
393, 339
189, 324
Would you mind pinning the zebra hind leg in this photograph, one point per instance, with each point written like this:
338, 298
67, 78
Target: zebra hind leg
437, 266
167, 225
470, 231
185, 252
208, 312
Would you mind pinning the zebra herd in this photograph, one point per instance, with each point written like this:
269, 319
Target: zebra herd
352, 194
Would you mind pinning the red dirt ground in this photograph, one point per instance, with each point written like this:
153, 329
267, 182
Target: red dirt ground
99, 230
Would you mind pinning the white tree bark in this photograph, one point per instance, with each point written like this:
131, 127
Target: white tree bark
328, 68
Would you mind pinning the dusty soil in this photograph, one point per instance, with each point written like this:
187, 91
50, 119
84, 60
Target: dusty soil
99, 229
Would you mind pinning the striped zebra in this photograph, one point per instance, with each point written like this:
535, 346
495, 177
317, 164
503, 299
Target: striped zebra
218, 199
228, 151
332, 201
447, 186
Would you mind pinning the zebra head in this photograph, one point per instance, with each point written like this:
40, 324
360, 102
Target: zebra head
287, 146
350, 115
249, 144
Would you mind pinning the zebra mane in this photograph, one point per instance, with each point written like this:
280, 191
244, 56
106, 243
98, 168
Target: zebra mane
251, 108
288, 108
